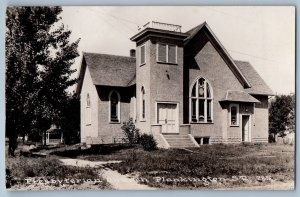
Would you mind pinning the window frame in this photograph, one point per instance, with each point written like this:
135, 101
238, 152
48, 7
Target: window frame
237, 114
197, 98
118, 107
140, 59
167, 53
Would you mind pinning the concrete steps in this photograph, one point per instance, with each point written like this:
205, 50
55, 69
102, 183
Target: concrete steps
179, 141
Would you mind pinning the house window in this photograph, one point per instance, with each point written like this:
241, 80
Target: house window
143, 55
88, 110
114, 103
201, 102
167, 53
88, 101
202, 140
143, 104
234, 115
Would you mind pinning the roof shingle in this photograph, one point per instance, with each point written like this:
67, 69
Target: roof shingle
120, 71
111, 70
258, 85
239, 96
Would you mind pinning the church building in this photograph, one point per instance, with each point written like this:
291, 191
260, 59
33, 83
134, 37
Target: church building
182, 87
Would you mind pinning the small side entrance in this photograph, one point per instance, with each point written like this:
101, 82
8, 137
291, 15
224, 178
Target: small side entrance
167, 116
246, 129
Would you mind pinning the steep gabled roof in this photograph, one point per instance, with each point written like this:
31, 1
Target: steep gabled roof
108, 70
194, 31
120, 71
258, 85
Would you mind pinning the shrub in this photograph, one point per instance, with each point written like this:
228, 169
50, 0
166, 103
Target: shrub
132, 134
148, 142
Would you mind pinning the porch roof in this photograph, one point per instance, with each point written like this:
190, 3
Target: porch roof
239, 96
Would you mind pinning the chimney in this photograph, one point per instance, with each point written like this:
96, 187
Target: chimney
132, 52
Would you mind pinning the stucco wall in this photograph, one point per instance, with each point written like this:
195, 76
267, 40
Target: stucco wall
162, 82
88, 88
166, 79
143, 80
261, 120
110, 132
234, 133
205, 61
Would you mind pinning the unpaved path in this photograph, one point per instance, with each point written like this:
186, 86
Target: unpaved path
85, 163
124, 182
114, 178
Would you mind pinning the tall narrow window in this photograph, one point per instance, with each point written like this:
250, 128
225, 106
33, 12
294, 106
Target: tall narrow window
88, 110
143, 104
143, 55
167, 53
201, 102
114, 107
234, 115
172, 54
162, 53
88, 101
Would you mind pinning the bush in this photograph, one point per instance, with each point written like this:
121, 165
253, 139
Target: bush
148, 142
131, 133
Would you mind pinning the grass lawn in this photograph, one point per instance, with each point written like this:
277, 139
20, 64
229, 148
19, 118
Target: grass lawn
212, 166
27, 173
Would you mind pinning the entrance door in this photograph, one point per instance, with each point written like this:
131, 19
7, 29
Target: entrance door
246, 129
167, 117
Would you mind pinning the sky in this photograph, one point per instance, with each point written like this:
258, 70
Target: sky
264, 36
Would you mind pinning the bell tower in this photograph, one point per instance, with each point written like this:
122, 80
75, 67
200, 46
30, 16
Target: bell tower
159, 77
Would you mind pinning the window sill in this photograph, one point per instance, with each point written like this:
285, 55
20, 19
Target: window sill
143, 120
114, 122
142, 64
88, 124
201, 123
167, 63
234, 125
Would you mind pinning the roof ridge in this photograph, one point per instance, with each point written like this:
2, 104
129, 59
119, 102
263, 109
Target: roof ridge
236, 71
83, 52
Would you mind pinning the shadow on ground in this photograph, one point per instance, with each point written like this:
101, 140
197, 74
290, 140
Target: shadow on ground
93, 150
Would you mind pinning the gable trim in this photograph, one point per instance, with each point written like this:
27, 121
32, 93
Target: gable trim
80, 77
212, 37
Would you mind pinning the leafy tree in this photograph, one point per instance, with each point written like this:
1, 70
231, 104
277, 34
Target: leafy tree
39, 56
71, 120
282, 114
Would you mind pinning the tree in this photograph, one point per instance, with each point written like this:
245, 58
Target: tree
39, 56
282, 114
71, 120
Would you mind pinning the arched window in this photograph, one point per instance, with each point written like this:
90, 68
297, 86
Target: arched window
201, 102
143, 104
114, 104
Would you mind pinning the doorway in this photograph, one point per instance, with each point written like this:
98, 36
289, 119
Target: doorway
246, 129
167, 117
